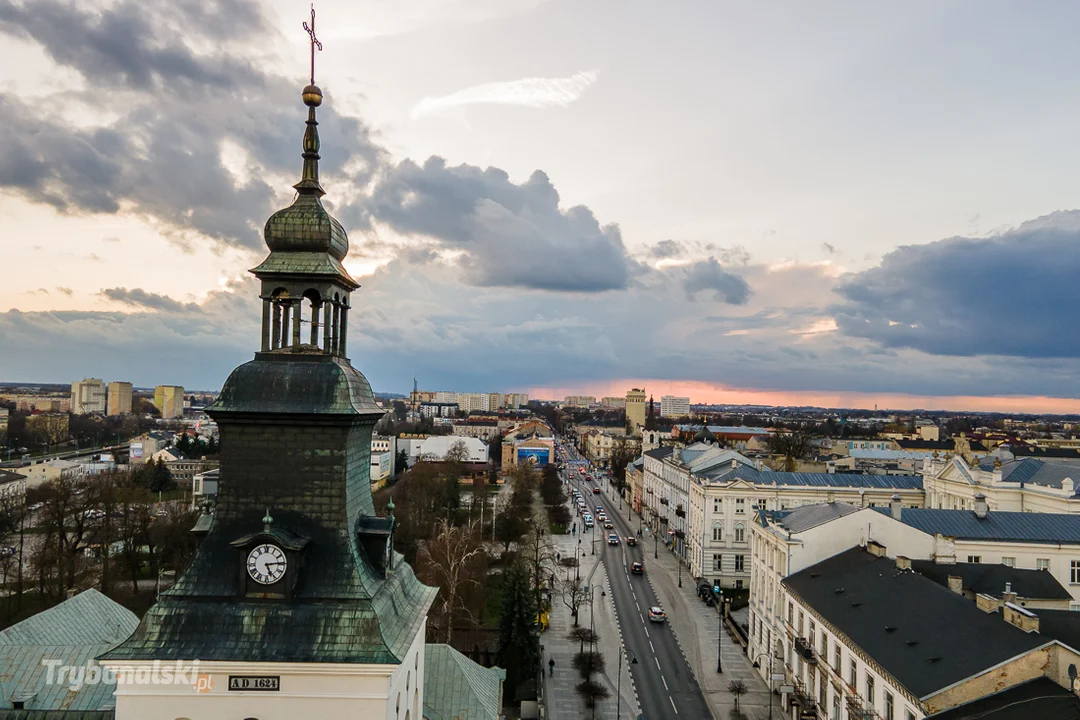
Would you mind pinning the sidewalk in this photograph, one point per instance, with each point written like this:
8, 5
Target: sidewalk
697, 629
563, 702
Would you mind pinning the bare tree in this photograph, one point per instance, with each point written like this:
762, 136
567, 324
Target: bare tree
573, 594
792, 446
454, 559
737, 688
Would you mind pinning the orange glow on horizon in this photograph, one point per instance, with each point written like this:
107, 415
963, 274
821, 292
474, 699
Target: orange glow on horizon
702, 392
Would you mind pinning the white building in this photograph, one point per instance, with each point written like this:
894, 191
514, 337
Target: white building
674, 407
704, 497
1021, 485
42, 472
88, 396
864, 636
436, 447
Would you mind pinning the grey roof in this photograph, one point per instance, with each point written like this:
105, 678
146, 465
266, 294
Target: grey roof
1038, 698
923, 635
73, 632
661, 452
6, 477
1040, 472
810, 516
1051, 528
990, 579
1061, 625
860, 454
727, 429
837, 480
456, 688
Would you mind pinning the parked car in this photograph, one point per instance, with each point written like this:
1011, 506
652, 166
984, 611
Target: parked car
612, 539
637, 568
656, 614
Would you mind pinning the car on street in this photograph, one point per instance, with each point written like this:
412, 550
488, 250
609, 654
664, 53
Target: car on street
612, 539
637, 568
631, 540
608, 525
596, 490
656, 614
599, 508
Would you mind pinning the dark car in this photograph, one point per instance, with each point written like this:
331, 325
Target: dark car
637, 568
631, 540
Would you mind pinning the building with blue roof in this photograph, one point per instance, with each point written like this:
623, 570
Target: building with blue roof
701, 499
1008, 482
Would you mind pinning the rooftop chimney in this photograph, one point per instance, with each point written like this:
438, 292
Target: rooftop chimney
1021, 617
1068, 486
903, 563
895, 507
956, 584
980, 506
875, 548
830, 497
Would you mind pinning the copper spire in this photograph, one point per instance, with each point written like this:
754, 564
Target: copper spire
312, 95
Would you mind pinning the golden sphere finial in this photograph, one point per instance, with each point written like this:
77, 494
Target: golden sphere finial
312, 96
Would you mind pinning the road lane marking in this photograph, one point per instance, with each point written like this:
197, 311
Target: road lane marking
657, 661
646, 629
665, 683
673, 705
651, 647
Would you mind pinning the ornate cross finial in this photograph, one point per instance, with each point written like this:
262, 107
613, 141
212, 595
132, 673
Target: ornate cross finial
314, 41
267, 521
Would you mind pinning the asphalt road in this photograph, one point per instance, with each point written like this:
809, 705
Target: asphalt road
665, 685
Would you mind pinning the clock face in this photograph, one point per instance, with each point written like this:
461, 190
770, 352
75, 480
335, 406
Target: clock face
266, 564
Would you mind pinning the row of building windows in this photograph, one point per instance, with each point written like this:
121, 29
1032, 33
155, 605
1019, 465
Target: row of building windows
1040, 564
718, 532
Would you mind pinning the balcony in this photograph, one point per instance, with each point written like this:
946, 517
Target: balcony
803, 698
805, 650
857, 710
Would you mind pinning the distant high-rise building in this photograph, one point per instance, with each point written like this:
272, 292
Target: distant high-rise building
635, 409
615, 403
579, 401
515, 400
119, 398
674, 407
88, 396
169, 400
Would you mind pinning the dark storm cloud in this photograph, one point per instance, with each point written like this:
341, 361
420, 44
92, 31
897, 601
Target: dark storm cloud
709, 275
162, 155
1011, 294
137, 297
512, 235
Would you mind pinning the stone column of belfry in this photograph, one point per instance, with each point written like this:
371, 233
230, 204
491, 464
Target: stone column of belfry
298, 308
337, 329
314, 323
327, 327
283, 340
266, 324
344, 326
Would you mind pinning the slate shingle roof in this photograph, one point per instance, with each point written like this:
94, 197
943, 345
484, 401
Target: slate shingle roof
456, 687
863, 596
837, 480
998, 525
73, 632
990, 579
810, 516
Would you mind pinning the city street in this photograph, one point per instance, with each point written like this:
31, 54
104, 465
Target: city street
666, 686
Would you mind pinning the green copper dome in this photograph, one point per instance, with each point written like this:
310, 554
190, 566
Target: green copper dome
306, 226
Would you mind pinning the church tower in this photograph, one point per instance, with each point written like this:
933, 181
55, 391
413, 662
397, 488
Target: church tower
296, 605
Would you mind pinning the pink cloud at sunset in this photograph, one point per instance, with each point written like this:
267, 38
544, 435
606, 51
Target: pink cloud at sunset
699, 392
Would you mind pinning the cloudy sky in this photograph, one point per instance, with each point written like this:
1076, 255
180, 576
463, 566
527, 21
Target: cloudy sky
839, 203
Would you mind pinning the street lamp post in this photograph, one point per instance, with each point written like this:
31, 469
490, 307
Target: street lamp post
757, 664
656, 543
618, 684
720, 635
